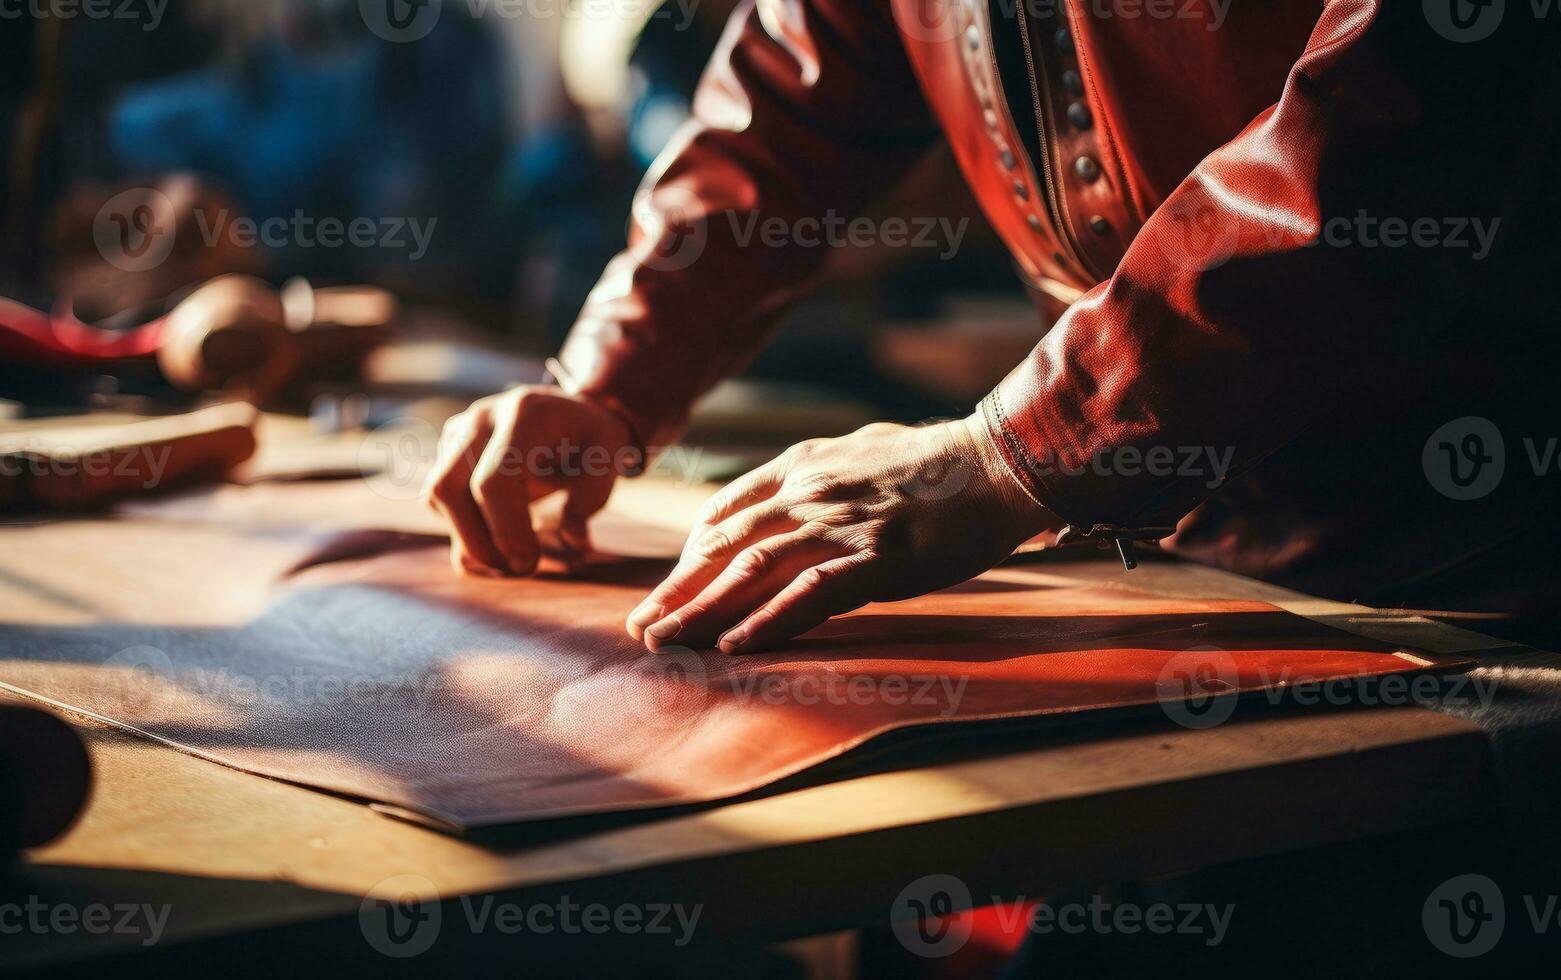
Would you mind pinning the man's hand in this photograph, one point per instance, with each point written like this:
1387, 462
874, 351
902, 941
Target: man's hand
507, 451
888, 512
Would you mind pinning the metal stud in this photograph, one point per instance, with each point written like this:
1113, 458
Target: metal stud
1008, 160
1072, 82
1086, 168
1020, 191
1033, 222
1078, 115
1099, 225
973, 37
1064, 40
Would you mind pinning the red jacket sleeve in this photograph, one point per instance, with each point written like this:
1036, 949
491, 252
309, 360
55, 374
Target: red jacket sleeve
1296, 264
807, 109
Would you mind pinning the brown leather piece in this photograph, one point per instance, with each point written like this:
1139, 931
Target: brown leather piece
354, 661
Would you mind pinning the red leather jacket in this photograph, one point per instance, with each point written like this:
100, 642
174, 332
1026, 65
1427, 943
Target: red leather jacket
1211, 186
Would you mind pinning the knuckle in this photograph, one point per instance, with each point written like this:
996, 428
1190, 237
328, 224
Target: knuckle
753, 563
455, 434
713, 544
815, 484
487, 488
789, 460
821, 518
815, 579
434, 481
524, 398
446, 487
710, 510
511, 461
666, 592
816, 529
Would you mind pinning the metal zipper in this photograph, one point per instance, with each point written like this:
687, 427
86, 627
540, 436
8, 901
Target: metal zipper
1042, 130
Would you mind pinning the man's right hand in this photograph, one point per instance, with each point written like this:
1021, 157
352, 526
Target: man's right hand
508, 451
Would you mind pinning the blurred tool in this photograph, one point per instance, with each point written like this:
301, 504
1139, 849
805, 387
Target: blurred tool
77, 467
233, 334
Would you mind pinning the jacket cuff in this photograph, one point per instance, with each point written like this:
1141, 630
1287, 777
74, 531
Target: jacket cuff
1070, 472
1013, 461
588, 368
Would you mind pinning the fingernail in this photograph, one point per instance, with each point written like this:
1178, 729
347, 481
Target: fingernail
666, 629
476, 568
643, 615
733, 641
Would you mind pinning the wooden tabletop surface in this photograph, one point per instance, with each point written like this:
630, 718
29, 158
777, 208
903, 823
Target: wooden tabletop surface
232, 853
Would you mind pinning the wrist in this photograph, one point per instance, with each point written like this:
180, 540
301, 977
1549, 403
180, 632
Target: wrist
617, 433
623, 432
1010, 493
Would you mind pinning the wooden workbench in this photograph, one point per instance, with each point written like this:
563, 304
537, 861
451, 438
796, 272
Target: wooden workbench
236, 855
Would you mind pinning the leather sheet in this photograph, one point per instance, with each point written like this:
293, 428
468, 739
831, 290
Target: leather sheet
244, 626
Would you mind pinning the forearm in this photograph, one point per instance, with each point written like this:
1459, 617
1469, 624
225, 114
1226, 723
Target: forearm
807, 109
